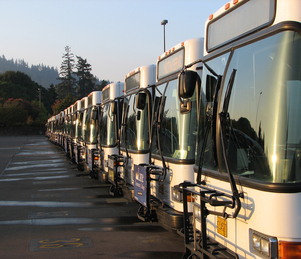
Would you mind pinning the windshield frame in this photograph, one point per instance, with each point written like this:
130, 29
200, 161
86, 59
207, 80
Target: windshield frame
252, 183
104, 129
125, 111
161, 109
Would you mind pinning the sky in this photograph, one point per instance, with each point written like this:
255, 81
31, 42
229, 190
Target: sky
115, 36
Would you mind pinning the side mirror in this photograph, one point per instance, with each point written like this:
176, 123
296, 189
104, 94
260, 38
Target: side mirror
138, 115
187, 82
140, 101
94, 115
186, 86
114, 107
211, 83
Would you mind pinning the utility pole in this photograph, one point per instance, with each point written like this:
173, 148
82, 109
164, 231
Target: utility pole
164, 22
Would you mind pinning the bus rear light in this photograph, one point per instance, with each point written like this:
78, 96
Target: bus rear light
289, 250
210, 17
227, 6
235, 1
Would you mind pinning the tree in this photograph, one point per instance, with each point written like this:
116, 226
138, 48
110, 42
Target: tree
18, 112
85, 83
67, 84
99, 87
18, 85
48, 98
62, 104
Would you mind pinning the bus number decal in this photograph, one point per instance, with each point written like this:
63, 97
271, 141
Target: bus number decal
222, 226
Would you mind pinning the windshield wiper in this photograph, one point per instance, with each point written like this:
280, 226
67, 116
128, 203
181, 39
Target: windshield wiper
223, 121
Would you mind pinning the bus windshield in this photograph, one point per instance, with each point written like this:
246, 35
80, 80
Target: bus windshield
177, 133
107, 132
136, 132
90, 128
80, 123
72, 127
262, 132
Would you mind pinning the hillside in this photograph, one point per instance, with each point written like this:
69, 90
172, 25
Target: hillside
41, 74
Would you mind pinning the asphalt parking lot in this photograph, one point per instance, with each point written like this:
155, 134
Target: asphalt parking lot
49, 209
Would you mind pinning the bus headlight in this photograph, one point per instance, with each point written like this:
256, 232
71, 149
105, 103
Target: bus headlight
177, 195
197, 212
264, 245
82, 154
96, 160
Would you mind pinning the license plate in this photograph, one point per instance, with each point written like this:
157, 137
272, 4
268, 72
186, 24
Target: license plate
222, 226
111, 176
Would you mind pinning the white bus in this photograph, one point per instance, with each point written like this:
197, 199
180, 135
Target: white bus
52, 127
135, 131
79, 146
67, 124
109, 126
173, 139
247, 194
91, 130
75, 130
68, 147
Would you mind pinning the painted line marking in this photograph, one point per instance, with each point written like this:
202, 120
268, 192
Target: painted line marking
48, 195
47, 182
117, 200
53, 214
5, 148
60, 243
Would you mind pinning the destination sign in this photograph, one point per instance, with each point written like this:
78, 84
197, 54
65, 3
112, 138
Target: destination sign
90, 100
106, 93
132, 82
171, 64
252, 16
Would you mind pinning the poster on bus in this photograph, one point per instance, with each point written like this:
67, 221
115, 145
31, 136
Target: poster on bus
140, 184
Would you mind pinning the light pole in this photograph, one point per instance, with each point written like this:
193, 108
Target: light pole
164, 22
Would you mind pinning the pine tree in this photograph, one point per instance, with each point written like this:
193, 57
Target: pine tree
67, 84
99, 86
86, 82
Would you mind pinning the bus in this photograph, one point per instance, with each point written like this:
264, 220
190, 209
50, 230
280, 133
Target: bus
52, 128
75, 130
174, 127
91, 130
66, 135
135, 131
79, 146
248, 172
60, 128
109, 126
70, 125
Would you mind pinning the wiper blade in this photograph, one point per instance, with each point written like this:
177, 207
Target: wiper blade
223, 117
228, 92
